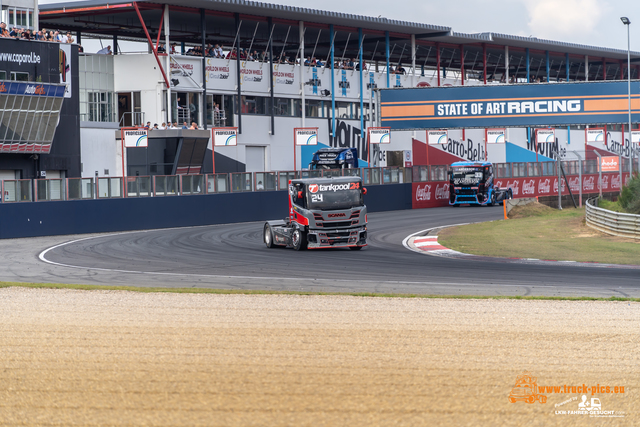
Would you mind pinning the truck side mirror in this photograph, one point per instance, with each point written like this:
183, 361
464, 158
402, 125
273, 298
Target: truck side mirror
364, 190
299, 194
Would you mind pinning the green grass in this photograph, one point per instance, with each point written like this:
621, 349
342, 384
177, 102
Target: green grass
611, 206
554, 235
302, 293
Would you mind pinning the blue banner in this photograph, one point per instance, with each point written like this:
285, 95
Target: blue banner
549, 104
30, 88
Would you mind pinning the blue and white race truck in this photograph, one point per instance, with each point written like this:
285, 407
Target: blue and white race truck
334, 158
472, 183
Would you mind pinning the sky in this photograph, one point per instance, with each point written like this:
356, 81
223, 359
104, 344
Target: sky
589, 22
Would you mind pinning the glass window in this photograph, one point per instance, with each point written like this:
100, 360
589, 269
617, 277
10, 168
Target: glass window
19, 76
313, 108
283, 107
253, 105
3, 75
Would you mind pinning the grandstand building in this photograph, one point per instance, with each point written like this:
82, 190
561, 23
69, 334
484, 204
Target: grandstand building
283, 68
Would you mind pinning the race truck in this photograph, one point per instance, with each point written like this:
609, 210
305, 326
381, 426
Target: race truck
323, 213
334, 158
472, 183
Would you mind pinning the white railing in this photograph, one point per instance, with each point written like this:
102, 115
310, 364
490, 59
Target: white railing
614, 223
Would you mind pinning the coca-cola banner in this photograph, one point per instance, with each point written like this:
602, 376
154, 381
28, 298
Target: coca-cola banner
430, 194
435, 194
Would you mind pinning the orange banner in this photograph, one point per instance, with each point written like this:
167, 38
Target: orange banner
609, 164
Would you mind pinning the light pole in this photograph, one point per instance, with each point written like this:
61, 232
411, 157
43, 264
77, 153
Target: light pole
627, 22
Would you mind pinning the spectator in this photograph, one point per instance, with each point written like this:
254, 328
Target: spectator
147, 126
175, 125
184, 125
3, 30
161, 48
39, 36
155, 127
105, 51
164, 126
173, 48
194, 126
70, 38
62, 38
259, 186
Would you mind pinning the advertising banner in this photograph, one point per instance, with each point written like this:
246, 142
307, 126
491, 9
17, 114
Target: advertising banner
186, 73
436, 193
609, 164
545, 135
437, 137
496, 136
306, 136
135, 138
635, 136
595, 135
224, 137
518, 105
379, 135
65, 68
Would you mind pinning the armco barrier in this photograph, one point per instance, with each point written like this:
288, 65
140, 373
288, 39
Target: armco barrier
125, 214
614, 223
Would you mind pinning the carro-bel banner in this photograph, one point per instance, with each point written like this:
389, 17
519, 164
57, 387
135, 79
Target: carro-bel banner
550, 104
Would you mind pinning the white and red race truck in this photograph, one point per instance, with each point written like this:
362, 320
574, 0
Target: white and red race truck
323, 213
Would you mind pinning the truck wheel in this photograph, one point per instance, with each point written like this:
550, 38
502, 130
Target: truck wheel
543, 399
531, 399
299, 240
268, 236
493, 199
512, 400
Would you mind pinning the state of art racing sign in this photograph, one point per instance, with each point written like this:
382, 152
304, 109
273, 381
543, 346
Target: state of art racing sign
550, 104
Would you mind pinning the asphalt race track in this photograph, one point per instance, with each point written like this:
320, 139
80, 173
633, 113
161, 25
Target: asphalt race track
233, 257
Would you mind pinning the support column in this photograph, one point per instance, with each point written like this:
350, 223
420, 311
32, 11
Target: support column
413, 60
238, 76
484, 62
528, 66
438, 62
461, 65
360, 39
302, 69
333, 88
168, 61
604, 68
568, 66
386, 41
548, 68
203, 27
586, 68
271, 96
115, 44
506, 64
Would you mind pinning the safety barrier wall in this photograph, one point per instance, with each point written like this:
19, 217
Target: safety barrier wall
614, 223
124, 214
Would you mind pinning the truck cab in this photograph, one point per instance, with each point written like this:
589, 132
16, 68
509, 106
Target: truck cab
334, 158
472, 183
323, 213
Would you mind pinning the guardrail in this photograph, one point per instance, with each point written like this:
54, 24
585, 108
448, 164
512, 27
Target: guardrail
614, 223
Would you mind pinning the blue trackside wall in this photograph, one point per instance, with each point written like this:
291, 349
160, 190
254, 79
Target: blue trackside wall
111, 215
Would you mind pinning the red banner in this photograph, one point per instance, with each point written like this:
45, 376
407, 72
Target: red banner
436, 194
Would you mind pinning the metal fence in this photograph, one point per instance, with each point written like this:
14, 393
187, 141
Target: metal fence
614, 223
26, 190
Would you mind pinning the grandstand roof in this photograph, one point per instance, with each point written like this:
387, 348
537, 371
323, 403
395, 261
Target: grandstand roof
119, 18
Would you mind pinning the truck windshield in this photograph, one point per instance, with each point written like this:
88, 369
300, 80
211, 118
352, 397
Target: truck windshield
334, 196
466, 176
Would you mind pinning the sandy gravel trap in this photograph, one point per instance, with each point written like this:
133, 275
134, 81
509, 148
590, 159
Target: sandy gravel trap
72, 358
